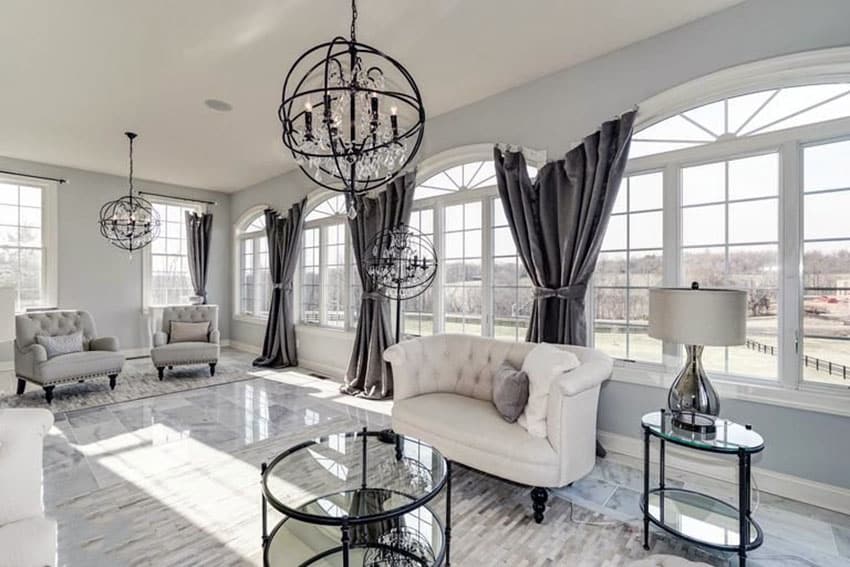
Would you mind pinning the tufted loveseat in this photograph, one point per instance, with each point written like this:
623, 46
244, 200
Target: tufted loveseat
167, 354
443, 396
100, 356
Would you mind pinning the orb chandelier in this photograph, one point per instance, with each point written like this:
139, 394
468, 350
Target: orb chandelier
401, 263
352, 116
131, 222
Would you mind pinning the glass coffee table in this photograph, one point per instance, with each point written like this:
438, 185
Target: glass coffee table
357, 498
694, 516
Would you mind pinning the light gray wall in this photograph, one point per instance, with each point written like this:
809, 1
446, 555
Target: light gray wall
96, 276
552, 112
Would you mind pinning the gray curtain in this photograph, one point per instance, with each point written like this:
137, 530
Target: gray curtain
198, 237
558, 222
368, 375
284, 240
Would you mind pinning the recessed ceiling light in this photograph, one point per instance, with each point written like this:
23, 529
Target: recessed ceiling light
218, 105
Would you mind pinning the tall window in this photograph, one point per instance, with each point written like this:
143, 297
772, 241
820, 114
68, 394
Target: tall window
329, 285
254, 280
170, 282
752, 193
24, 251
629, 264
481, 287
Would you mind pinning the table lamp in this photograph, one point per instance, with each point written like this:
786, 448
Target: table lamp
696, 317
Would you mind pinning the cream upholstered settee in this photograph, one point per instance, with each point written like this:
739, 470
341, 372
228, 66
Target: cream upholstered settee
99, 357
166, 353
27, 538
443, 396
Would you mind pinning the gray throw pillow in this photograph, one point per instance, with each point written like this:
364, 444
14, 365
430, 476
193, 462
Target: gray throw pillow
510, 391
185, 332
61, 344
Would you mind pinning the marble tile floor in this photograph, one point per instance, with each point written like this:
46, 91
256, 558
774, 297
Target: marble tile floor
146, 479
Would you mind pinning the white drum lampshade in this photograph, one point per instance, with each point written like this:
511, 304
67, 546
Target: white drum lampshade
708, 317
696, 318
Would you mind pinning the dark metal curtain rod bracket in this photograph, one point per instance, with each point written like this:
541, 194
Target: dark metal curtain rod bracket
178, 198
45, 178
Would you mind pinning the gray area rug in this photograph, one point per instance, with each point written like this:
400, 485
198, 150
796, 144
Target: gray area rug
137, 380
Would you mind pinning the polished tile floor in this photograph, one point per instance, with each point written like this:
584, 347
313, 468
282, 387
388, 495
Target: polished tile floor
141, 482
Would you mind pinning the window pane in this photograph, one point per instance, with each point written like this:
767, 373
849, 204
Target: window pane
503, 242
645, 268
610, 330
454, 217
704, 184
615, 235
646, 191
703, 225
756, 176
825, 215
645, 230
610, 269
640, 345
753, 221
825, 166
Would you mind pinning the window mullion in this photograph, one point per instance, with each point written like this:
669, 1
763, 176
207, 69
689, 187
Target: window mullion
487, 307
672, 237
439, 282
790, 253
323, 275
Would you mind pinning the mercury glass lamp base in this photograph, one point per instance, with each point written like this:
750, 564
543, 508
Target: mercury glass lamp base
692, 391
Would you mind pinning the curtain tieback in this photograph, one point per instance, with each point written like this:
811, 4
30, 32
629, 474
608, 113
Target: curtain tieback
287, 287
372, 295
576, 291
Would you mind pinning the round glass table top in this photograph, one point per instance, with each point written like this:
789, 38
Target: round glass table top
728, 437
354, 478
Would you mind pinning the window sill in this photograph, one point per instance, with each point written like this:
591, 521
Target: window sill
829, 400
323, 329
252, 319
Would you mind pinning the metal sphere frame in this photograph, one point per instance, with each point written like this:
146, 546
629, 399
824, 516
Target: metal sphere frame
354, 148
401, 263
129, 222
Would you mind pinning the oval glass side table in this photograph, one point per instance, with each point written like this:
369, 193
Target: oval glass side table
357, 498
695, 517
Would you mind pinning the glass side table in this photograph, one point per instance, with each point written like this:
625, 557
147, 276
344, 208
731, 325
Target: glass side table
693, 516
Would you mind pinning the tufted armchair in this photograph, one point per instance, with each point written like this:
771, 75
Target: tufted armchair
443, 396
100, 356
166, 353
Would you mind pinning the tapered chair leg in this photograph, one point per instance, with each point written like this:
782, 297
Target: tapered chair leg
539, 496
212, 368
161, 371
112, 379
22, 385
48, 393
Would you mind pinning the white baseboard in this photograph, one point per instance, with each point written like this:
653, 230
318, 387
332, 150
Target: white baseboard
244, 347
827, 496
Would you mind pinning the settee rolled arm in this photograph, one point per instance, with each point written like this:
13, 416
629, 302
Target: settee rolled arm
104, 343
215, 336
159, 338
28, 358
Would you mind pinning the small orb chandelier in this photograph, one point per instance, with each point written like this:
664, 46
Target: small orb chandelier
131, 222
352, 116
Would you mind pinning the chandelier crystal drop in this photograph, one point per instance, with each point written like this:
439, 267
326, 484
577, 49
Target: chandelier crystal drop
131, 222
352, 116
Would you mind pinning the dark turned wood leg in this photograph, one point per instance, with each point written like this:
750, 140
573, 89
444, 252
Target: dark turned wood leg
212, 368
539, 496
48, 393
161, 371
112, 378
22, 385
171, 368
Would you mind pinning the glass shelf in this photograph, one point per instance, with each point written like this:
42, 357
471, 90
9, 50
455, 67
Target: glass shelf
729, 436
412, 540
699, 518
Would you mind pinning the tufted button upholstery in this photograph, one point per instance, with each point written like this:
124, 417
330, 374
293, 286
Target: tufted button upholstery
53, 323
189, 314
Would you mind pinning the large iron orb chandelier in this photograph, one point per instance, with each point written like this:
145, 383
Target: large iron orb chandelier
352, 116
131, 222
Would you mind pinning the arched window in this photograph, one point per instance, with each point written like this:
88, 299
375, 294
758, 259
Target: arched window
329, 286
481, 287
741, 191
254, 289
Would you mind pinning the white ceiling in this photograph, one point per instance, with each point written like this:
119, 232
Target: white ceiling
76, 75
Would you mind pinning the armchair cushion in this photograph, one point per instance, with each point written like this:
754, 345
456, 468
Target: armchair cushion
78, 365
543, 365
61, 344
184, 353
185, 332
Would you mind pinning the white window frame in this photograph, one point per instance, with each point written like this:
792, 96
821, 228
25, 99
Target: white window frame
239, 234
831, 65
147, 256
49, 235
314, 200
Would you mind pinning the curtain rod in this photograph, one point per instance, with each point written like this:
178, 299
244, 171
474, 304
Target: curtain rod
56, 179
178, 198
